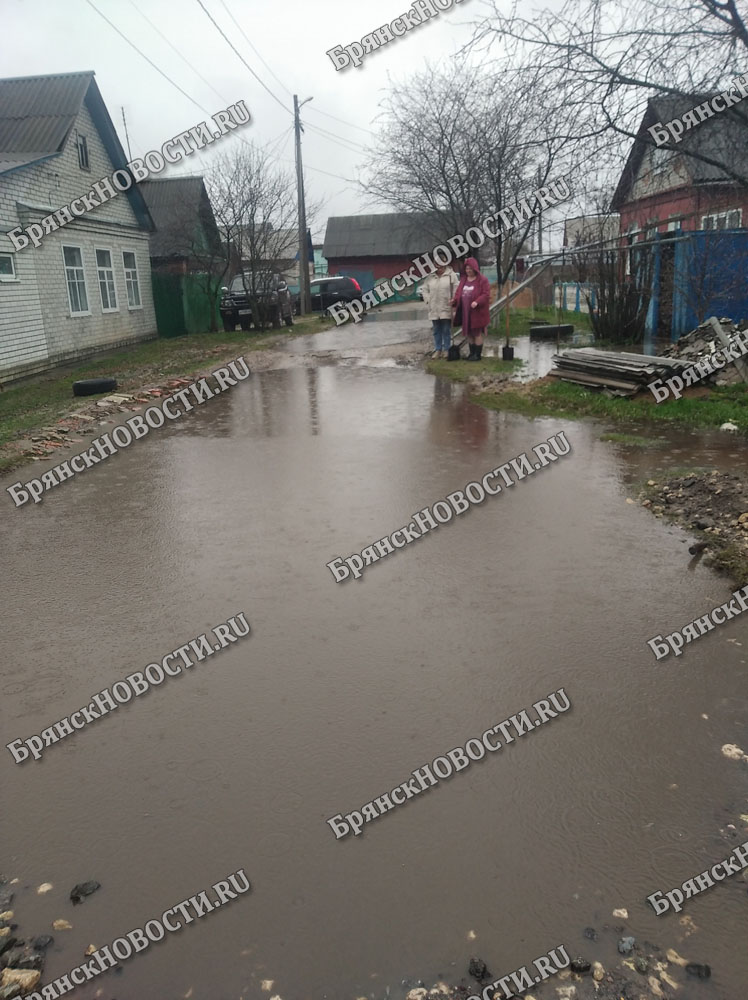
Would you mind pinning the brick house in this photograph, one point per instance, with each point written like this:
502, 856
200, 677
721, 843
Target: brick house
689, 215
87, 286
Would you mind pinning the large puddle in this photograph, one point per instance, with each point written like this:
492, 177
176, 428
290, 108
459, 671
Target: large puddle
343, 690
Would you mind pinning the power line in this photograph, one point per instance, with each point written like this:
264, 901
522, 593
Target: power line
175, 49
192, 99
343, 121
238, 53
149, 61
331, 137
275, 97
255, 50
282, 84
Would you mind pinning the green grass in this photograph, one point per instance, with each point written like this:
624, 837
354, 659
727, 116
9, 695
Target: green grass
34, 403
460, 371
520, 320
723, 404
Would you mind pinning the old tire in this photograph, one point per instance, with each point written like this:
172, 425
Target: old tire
289, 321
91, 386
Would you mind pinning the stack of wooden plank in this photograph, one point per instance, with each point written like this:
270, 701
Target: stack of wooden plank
615, 373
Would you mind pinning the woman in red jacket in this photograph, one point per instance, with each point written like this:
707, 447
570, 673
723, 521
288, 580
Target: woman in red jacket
471, 302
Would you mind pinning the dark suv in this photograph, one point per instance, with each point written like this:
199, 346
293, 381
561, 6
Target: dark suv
334, 288
272, 301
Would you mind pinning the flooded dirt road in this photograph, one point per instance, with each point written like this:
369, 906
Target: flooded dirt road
343, 690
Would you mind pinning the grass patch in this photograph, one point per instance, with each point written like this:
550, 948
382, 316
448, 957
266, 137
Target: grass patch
555, 397
728, 559
460, 371
27, 406
520, 320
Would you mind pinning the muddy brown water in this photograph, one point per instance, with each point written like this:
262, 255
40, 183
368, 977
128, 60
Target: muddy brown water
342, 690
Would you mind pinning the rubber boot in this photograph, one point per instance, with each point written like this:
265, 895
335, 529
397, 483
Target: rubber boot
478, 352
471, 356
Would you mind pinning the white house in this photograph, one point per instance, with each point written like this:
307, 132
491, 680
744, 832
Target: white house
87, 286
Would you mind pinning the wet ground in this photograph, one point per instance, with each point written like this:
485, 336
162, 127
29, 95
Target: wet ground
343, 690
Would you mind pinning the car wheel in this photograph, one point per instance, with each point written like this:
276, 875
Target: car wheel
228, 325
245, 323
90, 386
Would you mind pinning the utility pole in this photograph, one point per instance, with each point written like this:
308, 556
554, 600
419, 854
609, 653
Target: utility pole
305, 302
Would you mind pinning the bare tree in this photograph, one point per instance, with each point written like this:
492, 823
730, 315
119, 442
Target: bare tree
255, 206
609, 58
460, 143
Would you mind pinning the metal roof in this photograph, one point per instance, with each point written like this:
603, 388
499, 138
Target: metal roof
392, 234
37, 113
177, 206
723, 137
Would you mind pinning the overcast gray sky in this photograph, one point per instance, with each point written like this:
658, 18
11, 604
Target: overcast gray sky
292, 36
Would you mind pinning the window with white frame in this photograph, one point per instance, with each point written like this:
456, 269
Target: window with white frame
131, 279
7, 267
105, 273
732, 219
82, 144
76, 281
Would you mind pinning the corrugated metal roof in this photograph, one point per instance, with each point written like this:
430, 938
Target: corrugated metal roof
178, 205
723, 137
394, 234
37, 113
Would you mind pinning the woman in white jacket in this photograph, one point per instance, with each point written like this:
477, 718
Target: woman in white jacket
438, 290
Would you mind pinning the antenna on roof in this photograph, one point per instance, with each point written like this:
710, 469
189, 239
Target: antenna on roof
127, 137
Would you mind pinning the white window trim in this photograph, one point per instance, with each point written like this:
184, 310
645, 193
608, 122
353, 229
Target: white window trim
108, 250
137, 277
14, 275
722, 215
72, 246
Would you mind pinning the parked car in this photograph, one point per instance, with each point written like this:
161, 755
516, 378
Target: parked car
271, 296
333, 288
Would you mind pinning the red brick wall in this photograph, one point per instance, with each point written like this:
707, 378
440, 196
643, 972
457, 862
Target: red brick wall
691, 202
383, 267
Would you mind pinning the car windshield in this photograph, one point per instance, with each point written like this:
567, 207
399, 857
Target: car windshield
262, 280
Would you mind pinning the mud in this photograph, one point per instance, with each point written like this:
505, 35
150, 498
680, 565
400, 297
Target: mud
344, 689
713, 507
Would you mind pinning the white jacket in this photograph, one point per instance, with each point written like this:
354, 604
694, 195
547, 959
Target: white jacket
438, 293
